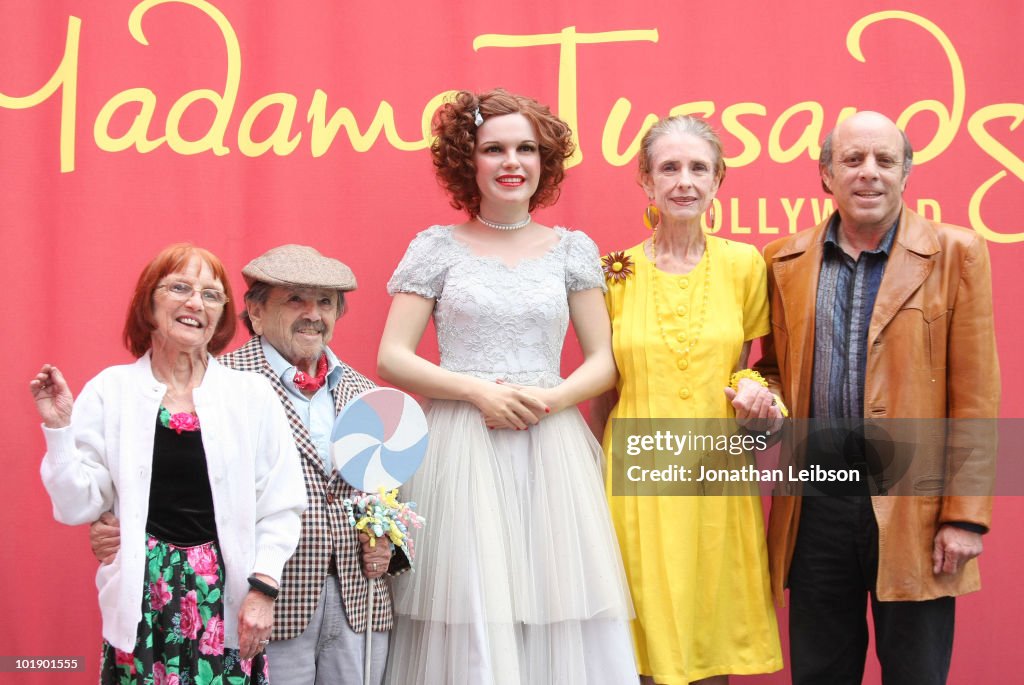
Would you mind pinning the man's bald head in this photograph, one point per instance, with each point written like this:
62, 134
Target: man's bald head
855, 121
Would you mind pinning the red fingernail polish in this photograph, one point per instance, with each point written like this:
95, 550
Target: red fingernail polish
546, 410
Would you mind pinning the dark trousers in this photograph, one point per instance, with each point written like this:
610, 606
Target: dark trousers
834, 569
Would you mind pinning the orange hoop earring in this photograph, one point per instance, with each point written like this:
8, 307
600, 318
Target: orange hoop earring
652, 217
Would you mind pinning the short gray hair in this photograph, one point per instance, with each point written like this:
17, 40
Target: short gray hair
679, 124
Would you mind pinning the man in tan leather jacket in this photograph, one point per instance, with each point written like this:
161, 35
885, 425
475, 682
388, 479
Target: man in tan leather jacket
879, 313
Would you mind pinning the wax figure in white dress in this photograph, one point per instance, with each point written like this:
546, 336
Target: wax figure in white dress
518, 577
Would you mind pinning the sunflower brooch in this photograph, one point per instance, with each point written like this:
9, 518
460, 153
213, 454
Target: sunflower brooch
617, 266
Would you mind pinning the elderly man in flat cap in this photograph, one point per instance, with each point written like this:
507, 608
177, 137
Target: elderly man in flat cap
295, 297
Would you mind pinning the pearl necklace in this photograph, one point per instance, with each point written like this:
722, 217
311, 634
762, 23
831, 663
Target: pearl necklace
692, 340
505, 227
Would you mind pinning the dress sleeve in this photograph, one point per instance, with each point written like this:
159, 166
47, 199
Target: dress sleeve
423, 268
582, 263
755, 303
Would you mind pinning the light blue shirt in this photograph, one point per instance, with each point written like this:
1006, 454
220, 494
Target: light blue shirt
317, 412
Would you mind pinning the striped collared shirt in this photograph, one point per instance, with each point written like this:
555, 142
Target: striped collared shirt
847, 289
317, 412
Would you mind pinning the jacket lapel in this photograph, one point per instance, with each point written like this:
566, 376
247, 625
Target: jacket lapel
796, 270
338, 392
909, 265
252, 352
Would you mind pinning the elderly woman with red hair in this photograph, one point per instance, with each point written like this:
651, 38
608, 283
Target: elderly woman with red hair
198, 462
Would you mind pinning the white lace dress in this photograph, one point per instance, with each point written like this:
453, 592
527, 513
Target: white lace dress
518, 576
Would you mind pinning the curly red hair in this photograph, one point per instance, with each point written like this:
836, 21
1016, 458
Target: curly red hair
139, 326
454, 126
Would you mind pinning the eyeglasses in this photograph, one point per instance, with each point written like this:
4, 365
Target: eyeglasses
182, 291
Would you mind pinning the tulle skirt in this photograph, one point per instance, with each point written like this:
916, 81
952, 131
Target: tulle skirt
518, 576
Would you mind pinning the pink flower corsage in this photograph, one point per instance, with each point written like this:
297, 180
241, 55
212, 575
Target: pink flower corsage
181, 422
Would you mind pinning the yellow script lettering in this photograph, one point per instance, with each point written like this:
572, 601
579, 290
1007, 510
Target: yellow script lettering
65, 77
567, 40
223, 103
278, 140
999, 152
808, 140
949, 121
731, 122
613, 134
136, 133
325, 130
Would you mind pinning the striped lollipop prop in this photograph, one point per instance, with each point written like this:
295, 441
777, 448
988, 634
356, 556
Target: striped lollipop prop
379, 439
378, 442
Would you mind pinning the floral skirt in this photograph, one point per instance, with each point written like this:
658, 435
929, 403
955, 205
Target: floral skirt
181, 634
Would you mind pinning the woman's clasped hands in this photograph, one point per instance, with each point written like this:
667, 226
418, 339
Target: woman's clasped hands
515, 407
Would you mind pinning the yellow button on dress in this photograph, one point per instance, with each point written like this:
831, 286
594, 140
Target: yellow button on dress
697, 565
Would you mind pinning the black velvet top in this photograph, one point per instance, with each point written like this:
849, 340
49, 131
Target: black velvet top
180, 500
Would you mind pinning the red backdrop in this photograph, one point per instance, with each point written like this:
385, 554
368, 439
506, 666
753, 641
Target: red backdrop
239, 125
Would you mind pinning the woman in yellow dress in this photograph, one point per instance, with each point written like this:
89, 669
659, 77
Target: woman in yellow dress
685, 307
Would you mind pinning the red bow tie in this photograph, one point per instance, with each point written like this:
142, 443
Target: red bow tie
303, 381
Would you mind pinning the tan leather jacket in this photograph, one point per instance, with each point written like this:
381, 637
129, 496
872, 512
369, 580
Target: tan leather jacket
931, 354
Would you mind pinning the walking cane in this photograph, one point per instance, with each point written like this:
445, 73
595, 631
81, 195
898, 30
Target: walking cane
367, 675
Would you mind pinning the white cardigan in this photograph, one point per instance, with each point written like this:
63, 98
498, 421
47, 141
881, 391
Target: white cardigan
103, 461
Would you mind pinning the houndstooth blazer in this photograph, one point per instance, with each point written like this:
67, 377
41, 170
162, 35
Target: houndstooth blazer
324, 525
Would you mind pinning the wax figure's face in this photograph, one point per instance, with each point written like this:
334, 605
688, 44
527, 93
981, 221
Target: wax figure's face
507, 159
297, 322
184, 313
866, 175
682, 180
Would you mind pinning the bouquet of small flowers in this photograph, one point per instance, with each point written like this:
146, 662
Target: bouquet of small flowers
383, 515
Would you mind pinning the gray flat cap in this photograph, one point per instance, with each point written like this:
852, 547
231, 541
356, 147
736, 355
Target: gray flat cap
299, 266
